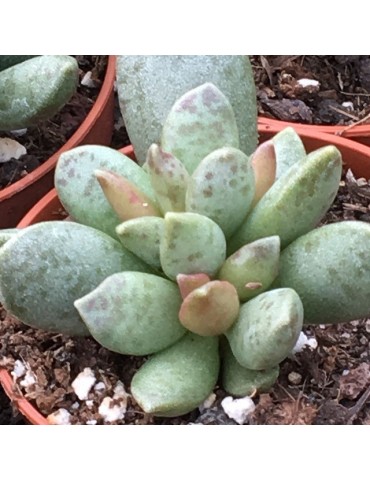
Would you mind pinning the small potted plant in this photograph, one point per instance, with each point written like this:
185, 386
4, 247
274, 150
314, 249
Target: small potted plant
204, 257
33, 90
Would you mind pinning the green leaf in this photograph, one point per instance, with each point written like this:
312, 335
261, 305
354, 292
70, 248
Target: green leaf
47, 266
296, 202
267, 329
133, 313
142, 237
252, 268
149, 85
289, 150
222, 188
177, 380
35, 90
80, 192
191, 243
330, 270
169, 179
200, 121
241, 382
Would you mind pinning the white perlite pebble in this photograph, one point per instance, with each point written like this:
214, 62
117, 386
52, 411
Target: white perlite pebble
113, 409
304, 341
60, 417
88, 81
308, 82
238, 409
29, 379
9, 149
19, 369
83, 383
348, 105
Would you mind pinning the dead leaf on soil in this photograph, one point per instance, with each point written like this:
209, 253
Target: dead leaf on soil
352, 384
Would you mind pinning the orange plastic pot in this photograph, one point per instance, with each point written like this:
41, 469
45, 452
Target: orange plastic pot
355, 155
97, 128
359, 133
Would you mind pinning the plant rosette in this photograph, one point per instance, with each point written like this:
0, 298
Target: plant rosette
43, 100
165, 260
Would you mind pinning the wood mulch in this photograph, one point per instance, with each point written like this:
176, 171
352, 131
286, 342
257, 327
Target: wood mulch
338, 95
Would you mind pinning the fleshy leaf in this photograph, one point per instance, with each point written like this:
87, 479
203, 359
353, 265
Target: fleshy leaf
252, 268
149, 85
210, 309
267, 329
57, 263
289, 150
296, 202
169, 179
124, 197
80, 192
188, 283
133, 313
263, 162
241, 382
200, 121
6, 234
36, 89
222, 188
330, 269
191, 243
142, 237
177, 380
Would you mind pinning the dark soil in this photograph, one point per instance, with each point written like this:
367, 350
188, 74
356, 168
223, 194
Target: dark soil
324, 386
342, 79
47, 137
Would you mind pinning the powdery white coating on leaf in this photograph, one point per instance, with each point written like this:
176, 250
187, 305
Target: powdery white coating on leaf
148, 86
289, 149
80, 192
68, 260
60, 417
222, 188
83, 383
200, 122
36, 89
296, 202
329, 268
191, 243
238, 409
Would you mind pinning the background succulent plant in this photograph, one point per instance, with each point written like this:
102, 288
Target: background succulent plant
190, 256
34, 88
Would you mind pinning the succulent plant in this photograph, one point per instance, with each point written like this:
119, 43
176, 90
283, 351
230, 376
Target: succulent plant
34, 88
199, 264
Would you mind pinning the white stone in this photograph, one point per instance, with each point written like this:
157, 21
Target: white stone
308, 82
304, 341
29, 379
113, 409
238, 409
19, 369
60, 417
83, 383
91, 422
9, 149
348, 105
99, 386
88, 81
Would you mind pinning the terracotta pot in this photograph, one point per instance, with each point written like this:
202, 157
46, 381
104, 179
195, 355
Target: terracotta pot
97, 128
355, 155
359, 133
